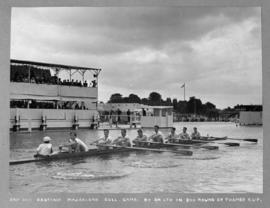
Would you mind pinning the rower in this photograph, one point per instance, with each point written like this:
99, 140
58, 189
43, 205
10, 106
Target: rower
157, 136
195, 134
106, 139
122, 140
75, 144
44, 149
172, 137
140, 138
184, 135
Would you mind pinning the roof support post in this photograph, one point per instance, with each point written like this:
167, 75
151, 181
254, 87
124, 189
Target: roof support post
29, 71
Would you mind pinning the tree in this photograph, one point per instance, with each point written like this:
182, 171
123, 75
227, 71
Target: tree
134, 98
182, 106
174, 103
210, 105
155, 98
194, 105
125, 100
168, 101
115, 98
145, 101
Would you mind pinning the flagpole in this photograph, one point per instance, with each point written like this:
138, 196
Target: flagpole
184, 86
184, 92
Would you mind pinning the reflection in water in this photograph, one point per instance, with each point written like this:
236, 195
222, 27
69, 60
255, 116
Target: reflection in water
153, 164
199, 158
89, 175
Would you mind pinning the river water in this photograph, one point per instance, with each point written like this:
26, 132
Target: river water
227, 170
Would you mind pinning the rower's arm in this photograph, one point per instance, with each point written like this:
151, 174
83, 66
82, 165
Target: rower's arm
67, 144
135, 140
161, 139
130, 143
38, 149
95, 142
116, 140
167, 139
151, 137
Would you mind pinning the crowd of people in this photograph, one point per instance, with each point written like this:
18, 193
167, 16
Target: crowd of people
75, 144
32, 104
43, 76
47, 104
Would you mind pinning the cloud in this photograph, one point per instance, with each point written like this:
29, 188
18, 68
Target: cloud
215, 50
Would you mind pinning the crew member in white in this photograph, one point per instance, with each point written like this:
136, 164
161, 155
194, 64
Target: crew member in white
45, 148
75, 144
157, 136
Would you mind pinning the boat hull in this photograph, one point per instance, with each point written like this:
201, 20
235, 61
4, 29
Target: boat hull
66, 155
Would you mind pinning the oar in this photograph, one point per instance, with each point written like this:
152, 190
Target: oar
184, 152
225, 138
247, 140
226, 143
182, 145
186, 145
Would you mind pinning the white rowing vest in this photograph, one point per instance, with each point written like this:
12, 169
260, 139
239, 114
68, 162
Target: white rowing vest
80, 142
44, 149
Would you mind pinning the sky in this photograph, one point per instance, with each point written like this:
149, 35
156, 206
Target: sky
215, 51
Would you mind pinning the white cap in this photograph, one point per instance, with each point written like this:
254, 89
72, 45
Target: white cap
46, 139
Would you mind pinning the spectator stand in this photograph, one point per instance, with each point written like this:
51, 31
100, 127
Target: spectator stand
35, 89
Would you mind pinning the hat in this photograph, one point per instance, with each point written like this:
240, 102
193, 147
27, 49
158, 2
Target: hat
46, 139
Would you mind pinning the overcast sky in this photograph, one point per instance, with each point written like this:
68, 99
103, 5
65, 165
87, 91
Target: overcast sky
215, 51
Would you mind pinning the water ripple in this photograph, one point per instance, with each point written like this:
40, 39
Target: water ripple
152, 164
89, 175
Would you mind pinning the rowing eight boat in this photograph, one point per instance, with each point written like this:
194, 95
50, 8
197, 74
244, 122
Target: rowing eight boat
95, 152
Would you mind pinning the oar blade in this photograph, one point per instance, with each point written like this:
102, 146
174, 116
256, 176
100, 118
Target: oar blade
210, 147
251, 140
183, 152
232, 144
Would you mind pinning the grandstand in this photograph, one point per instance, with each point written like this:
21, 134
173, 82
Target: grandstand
37, 92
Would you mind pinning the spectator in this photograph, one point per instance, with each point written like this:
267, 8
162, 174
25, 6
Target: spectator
94, 83
119, 115
128, 115
143, 112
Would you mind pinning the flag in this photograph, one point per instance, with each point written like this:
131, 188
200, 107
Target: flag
183, 85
